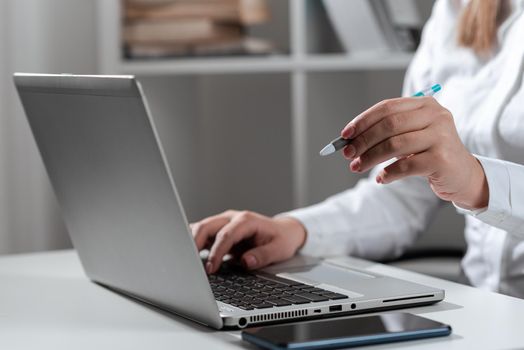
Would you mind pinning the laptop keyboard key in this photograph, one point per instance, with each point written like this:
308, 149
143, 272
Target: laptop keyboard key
316, 290
245, 306
251, 292
279, 302
280, 281
313, 297
296, 299
335, 296
262, 305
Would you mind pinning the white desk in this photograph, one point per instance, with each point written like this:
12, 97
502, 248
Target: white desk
46, 302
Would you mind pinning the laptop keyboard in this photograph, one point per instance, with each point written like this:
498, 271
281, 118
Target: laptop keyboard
248, 291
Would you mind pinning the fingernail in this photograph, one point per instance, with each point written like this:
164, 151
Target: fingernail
379, 179
250, 261
209, 267
348, 132
355, 165
350, 151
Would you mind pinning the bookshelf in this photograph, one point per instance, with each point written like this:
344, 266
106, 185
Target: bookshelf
303, 55
270, 64
300, 97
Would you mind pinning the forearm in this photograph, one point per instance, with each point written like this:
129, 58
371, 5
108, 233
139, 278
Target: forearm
369, 221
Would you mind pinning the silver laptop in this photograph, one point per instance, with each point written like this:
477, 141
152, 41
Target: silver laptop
120, 204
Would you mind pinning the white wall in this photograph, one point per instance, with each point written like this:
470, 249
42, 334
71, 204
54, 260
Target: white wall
35, 36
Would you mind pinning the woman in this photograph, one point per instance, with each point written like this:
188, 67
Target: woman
467, 148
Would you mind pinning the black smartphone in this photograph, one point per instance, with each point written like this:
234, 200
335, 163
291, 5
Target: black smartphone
346, 332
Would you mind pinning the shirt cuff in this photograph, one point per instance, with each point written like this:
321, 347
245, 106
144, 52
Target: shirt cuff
499, 203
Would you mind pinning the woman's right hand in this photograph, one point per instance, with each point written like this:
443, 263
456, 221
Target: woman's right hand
255, 239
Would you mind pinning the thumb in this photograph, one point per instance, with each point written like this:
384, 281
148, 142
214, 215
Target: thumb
261, 256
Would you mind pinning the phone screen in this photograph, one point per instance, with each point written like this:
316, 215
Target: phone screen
363, 327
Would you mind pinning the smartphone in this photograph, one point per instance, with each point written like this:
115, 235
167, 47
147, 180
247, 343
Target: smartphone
346, 332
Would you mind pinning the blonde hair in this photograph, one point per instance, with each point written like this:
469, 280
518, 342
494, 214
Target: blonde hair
478, 24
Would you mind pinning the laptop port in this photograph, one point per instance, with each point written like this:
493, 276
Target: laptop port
317, 311
334, 308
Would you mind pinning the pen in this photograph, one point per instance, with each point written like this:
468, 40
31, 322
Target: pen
340, 142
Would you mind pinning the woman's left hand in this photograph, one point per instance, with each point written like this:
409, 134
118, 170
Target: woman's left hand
421, 134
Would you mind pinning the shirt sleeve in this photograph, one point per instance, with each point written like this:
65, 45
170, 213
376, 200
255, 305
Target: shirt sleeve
418, 75
505, 208
370, 220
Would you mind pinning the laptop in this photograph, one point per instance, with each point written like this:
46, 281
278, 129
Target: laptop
120, 204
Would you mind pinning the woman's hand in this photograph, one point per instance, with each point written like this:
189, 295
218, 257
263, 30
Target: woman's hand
421, 134
256, 239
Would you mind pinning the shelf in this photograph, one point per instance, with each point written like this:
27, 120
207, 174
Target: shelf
215, 65
266, 64
348, 62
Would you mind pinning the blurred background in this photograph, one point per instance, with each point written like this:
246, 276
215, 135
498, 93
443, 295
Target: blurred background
281, 76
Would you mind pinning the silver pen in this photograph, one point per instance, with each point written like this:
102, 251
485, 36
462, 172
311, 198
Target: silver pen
339, 143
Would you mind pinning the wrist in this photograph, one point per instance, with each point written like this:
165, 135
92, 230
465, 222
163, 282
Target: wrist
294, 229
477, 193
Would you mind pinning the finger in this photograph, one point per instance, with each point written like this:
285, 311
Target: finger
235, 231
416, 165
391, 125
263, 255
396, 146
207, 228
349, 151
380, 110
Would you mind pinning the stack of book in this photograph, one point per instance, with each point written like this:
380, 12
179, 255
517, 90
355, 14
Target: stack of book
167, 28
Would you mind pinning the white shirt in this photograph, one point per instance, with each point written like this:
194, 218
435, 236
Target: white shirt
486, 98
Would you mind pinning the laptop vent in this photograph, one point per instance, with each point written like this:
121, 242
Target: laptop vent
277, 316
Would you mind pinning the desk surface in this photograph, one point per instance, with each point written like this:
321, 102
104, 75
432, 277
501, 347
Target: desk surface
46, 302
